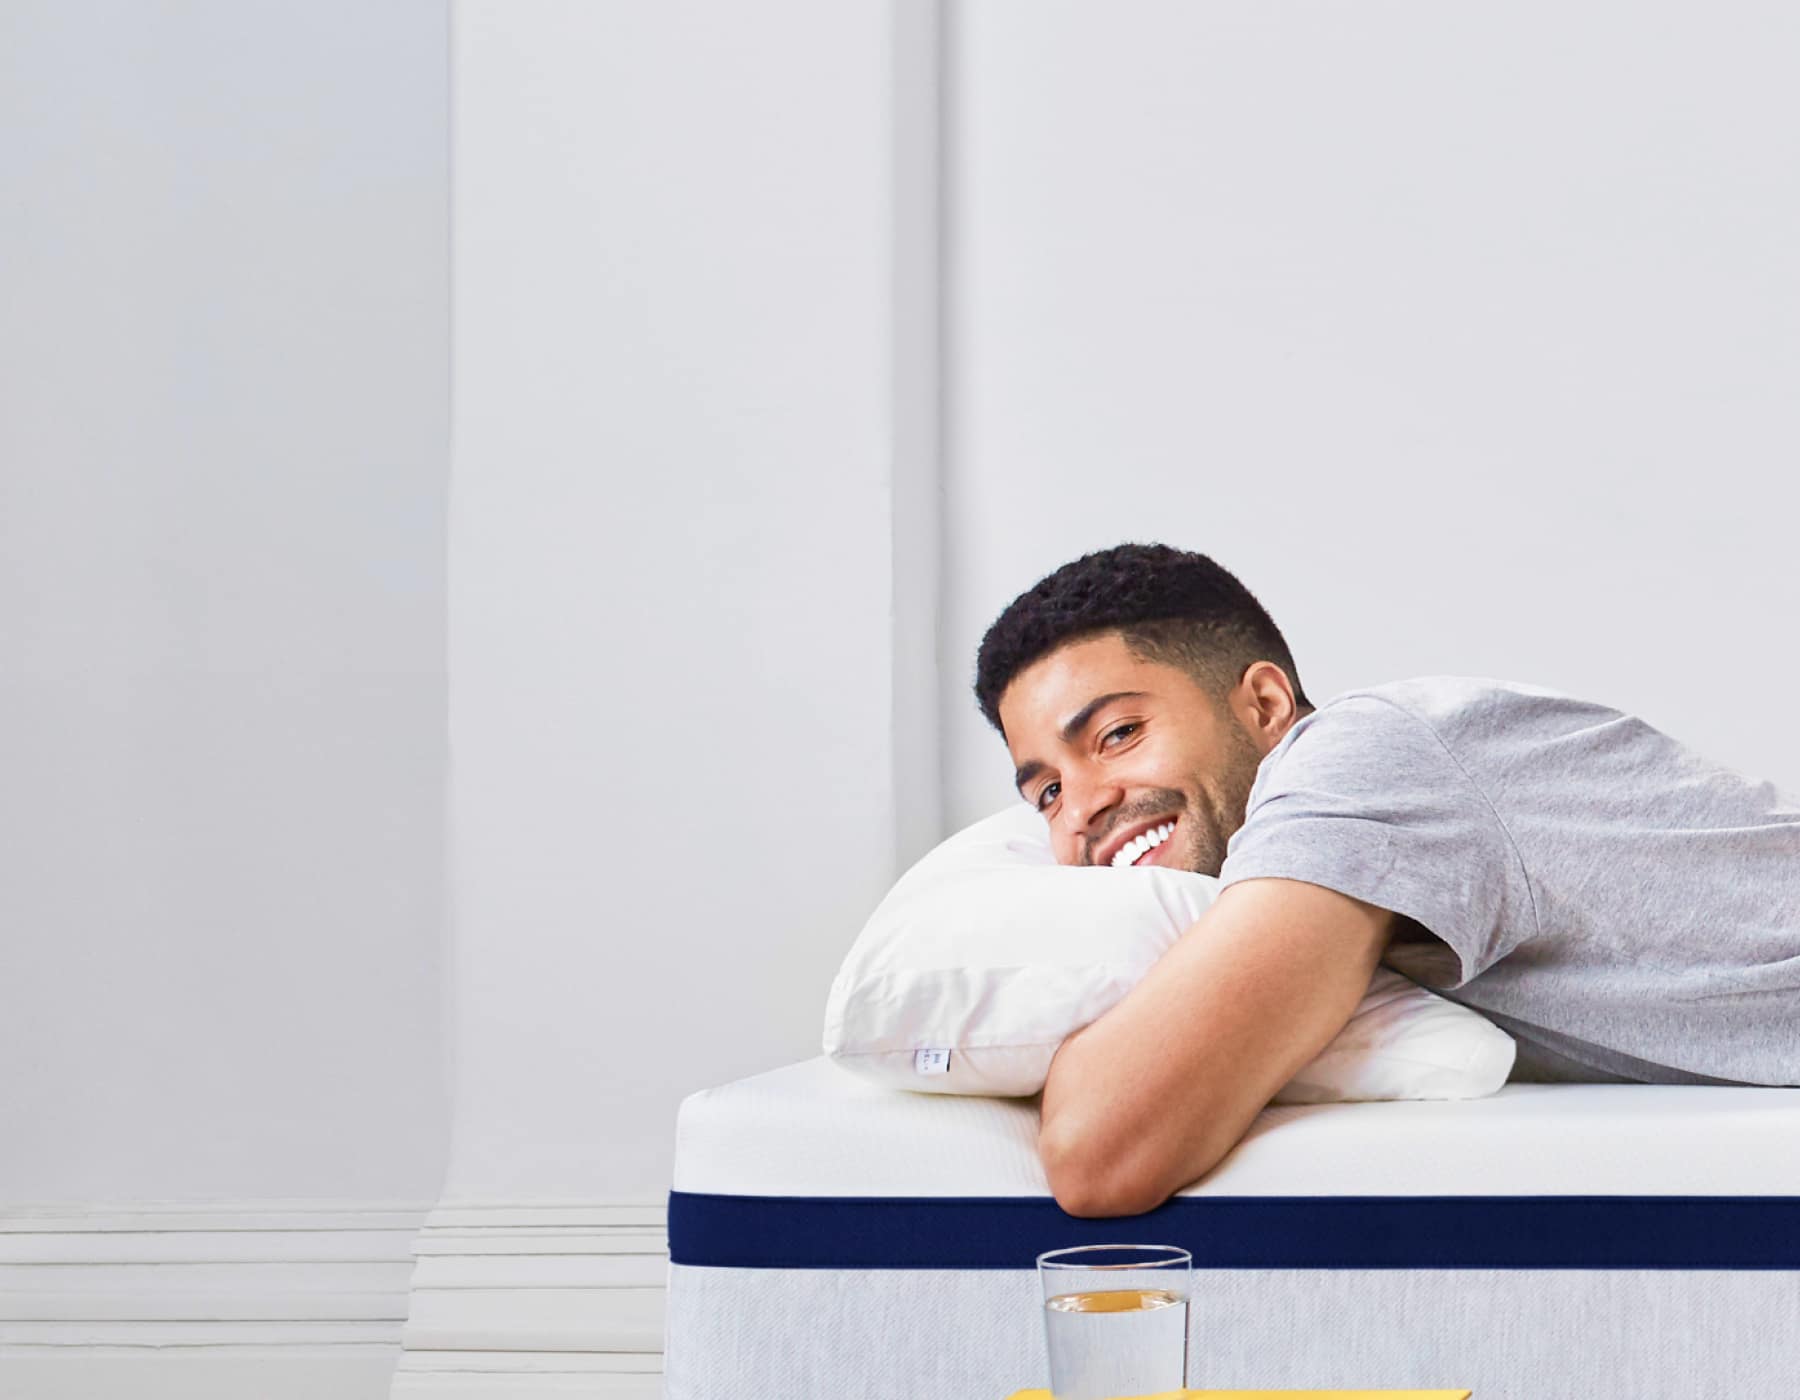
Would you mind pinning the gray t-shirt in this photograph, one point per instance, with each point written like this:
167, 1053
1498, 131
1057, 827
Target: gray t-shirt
1624, 908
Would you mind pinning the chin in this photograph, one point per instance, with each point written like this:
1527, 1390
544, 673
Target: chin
1201, 863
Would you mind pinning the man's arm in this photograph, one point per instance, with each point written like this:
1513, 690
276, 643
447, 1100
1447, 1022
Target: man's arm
1153, 1094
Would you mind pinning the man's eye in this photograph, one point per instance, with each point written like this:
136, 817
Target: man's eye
1119, 729
1044, 795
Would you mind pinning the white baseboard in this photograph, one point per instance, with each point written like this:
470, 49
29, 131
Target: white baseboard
490, 1375
290, 1372
516, 1300
281, 1300
299, 1300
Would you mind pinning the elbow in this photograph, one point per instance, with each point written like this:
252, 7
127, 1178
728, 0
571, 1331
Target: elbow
1091, 1181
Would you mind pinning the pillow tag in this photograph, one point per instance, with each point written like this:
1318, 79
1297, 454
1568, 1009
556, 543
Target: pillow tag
931, 1062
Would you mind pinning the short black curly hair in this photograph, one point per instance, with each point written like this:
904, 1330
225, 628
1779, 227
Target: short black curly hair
1171, 606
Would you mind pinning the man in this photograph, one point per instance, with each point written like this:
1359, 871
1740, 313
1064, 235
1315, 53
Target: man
1627, 910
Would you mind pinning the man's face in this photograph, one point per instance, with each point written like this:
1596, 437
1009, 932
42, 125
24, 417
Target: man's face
1109, 746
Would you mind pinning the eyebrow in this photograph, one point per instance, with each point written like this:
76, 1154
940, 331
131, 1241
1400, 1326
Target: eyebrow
1072, 729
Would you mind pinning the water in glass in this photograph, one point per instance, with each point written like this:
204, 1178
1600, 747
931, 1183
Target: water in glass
1113, 1342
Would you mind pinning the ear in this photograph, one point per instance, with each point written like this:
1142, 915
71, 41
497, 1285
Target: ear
1264, 702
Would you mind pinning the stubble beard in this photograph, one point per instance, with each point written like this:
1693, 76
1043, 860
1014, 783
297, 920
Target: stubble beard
1225, 800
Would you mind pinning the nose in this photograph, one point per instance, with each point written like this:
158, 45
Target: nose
1086, 800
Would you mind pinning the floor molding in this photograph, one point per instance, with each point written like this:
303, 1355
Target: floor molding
290, 1300
517, 1299
154, 1299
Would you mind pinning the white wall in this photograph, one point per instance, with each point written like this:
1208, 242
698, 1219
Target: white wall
1466, 335
223, 402
672, 561
1461, 365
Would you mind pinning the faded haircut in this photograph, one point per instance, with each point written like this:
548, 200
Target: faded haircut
1170, 606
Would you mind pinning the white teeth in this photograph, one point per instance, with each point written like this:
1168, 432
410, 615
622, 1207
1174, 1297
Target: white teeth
1136, 847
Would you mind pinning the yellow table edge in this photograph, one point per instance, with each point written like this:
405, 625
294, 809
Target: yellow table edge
1276, 1395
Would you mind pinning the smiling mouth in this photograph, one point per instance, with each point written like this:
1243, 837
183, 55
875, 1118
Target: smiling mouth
1142, 847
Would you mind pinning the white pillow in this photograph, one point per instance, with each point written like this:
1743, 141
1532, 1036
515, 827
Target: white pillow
987, 955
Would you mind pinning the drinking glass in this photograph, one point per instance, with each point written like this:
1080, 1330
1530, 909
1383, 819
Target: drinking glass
1116, 1319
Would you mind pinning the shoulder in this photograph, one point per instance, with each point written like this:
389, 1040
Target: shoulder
1448, 699
1425, 732
1397, 714
1456, 710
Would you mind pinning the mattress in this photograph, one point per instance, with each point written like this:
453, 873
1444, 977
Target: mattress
830, 1237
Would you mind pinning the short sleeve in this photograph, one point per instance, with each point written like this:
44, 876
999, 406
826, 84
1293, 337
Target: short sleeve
1363, 797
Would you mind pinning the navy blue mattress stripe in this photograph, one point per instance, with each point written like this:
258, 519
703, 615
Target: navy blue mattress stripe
1244, 1232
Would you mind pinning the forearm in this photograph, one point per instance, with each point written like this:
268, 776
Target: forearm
1127, 1121
1158, 1091
1102, 1164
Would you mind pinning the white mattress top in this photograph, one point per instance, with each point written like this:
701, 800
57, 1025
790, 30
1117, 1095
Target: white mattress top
813, 1129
